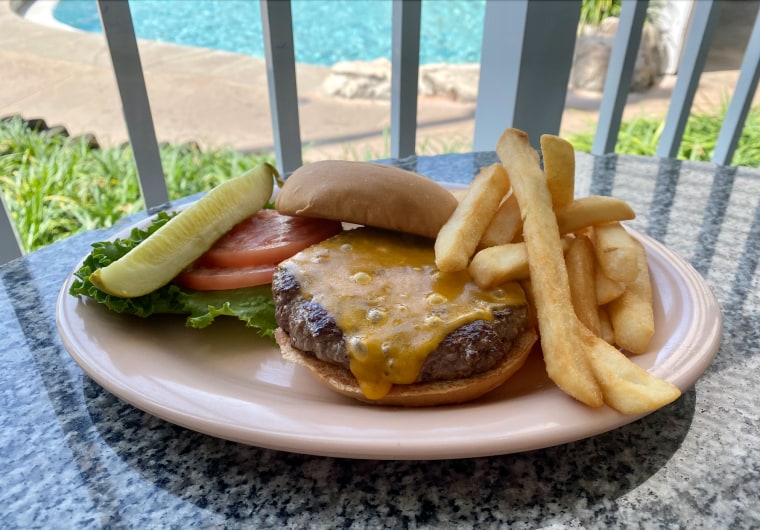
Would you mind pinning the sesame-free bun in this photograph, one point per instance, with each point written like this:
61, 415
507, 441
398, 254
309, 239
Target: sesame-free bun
435, 393
367, 194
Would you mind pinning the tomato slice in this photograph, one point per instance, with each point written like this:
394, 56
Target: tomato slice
203, 278
247, 255
267, 237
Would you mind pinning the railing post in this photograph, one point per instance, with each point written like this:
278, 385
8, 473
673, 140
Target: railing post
527, 54
277, 23
405, 61
689, 71
617, 83
122, 45
741, 101
10, 246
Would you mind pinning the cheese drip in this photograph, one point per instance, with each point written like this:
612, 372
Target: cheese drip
391, 302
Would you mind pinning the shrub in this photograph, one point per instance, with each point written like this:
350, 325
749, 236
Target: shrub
55, 185
594, 11
640, 137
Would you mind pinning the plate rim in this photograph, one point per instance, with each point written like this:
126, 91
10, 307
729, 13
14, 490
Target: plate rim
318, 444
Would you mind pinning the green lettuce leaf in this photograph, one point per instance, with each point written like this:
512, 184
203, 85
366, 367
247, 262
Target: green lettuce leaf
252, 305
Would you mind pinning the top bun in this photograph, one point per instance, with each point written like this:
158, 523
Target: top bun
367, 194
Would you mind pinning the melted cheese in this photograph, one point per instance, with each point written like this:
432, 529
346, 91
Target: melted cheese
391, 302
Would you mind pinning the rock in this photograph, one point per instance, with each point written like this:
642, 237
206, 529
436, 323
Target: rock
372, 80
37, 124
458, 82
57, 130
592, 57
652, 59
359, 79
89, 139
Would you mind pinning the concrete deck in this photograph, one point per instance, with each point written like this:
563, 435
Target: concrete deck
220, 99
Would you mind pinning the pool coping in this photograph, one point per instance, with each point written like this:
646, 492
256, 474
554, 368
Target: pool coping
69, 44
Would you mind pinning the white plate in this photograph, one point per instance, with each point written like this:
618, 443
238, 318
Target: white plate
227, 382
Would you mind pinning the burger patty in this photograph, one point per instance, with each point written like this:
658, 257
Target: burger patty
469, 350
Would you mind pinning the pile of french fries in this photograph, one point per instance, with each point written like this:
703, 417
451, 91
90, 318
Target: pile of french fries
586, 277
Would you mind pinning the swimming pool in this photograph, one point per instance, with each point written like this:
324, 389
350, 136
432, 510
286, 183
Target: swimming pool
324, 31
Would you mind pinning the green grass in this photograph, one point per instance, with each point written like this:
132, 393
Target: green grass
55, 186
640, 137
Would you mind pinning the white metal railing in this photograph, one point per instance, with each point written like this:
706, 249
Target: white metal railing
703, 22
526, 58
10, 246
525, 67
122, 45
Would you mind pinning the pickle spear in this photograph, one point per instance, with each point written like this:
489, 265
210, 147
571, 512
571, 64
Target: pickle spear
174, 246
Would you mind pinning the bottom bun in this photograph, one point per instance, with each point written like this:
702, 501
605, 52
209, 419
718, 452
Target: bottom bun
434, 393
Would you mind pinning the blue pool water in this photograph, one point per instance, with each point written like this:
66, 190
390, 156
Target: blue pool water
324, 31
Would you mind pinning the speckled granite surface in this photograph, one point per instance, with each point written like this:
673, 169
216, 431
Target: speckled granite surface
73, 455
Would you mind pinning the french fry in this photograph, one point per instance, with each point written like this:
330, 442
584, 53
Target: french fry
592, 210
580, 363
627, 387
606, 290
505, 225
567, 363
459, 194
579, 260
494, 265
616, 252
559, 168
458, 238
605, 326
503, 263
632, 313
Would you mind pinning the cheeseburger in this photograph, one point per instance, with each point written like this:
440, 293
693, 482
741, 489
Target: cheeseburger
367, 311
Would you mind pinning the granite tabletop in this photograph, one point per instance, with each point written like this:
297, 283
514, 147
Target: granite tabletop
75, 456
